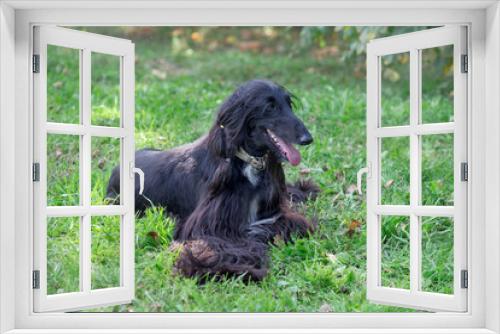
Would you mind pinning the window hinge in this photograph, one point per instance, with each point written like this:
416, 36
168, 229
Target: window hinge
465, 63
36, 172
464, 171
464, 279
36, 63
36, 279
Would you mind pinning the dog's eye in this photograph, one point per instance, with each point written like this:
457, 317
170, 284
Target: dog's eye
271, 106
272, 109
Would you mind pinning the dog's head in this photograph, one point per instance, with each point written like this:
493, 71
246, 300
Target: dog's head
258, 117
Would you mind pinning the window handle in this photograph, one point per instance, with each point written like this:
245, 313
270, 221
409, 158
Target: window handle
364, 170
135, 170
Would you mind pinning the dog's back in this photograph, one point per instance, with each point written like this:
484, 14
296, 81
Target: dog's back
172, 179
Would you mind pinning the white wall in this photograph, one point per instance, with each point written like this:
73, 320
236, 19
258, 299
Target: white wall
492, 212
7, 176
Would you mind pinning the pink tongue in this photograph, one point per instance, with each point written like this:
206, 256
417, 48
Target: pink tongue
292, 154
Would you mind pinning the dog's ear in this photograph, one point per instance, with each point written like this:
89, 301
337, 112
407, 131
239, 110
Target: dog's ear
221, 147
217, 141
227, 134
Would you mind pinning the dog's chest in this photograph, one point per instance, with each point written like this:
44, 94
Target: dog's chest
252, 175
255, 178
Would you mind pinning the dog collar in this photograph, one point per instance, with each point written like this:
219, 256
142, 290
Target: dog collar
258, 163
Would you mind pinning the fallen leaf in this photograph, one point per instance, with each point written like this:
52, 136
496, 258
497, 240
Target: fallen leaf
197, 37
389, 183
57, 84
353, 227
153, 235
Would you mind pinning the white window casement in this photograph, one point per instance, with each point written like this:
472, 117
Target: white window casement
46, 210
417, 129
472, 28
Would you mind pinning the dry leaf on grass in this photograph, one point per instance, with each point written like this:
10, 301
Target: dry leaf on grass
353, 227
153, 235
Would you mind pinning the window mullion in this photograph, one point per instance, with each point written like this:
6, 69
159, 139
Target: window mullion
414, 170
85, 171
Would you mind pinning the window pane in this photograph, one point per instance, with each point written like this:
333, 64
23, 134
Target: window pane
395, 170
105, 252
437, 255
63, 157
105, 90
63, 85
105, 157
395, 264
395, 90
63, 255
437, 84
437, 169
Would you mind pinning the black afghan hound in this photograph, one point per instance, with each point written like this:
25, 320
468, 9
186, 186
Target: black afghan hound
227, 189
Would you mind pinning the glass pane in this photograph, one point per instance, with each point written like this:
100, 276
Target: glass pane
105, 90
437, 255
395, 264
63, 255
437, 84
395, 89
395, 170
105, 252
63, 155
63, 85
437, 169
105, 157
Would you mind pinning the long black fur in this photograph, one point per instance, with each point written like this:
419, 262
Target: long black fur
224, 220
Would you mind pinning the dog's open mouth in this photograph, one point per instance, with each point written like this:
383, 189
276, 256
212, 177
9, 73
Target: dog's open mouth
286, 149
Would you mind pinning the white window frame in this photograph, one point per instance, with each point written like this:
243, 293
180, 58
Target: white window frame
413, 44
86, 44
16, 216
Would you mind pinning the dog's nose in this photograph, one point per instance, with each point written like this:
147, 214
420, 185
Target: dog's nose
306, 139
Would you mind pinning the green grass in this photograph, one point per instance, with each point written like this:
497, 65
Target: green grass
177, 94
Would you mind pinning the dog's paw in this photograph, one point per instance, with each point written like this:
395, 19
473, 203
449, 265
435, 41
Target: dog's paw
302, 191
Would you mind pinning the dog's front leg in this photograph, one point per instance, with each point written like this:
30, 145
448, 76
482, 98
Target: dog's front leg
291, 223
